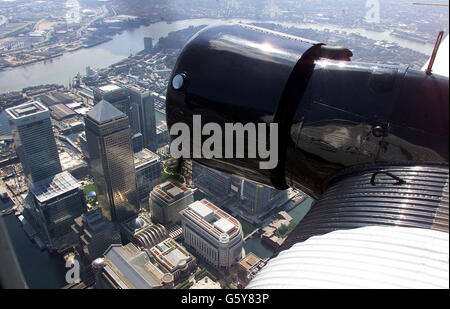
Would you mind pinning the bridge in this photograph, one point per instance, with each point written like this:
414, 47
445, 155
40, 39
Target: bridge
251, 234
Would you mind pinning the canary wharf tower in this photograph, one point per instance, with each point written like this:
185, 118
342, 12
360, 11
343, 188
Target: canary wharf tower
111, 161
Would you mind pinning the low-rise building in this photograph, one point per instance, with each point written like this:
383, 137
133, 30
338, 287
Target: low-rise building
77, 126
174, 258
94, 234
142, 232
126, 267
206, 283
74, 165
213, 234
60, 112
248, 267
271, 235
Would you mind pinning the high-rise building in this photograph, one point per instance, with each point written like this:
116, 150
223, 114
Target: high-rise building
143, 117
260, 199
135, 118
212, 182
168, 199
118, 96
148, 44
137, 141
35, 141
55, 202
111, 161
215, 236
162, 135
148, 174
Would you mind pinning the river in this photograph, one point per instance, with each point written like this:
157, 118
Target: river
41, 269
62, 69
47, 271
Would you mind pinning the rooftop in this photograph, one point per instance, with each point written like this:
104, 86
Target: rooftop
51, 187
74, 105
132, 268
171, 190
199, 209
249, 261
171, 254
60, 111
109, 88
26, 109
212, 218
144, 156
104, 112
68, 161
224, 225
206, 283
137, 223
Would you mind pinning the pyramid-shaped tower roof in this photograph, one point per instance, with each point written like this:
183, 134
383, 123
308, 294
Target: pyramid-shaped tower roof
104, 111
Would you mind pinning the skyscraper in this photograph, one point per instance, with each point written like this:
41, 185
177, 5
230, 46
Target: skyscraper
143, 114
148, 44
111, 161
35, 141
148, 173
119, 97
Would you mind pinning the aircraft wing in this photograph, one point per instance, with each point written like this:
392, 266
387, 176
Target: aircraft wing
369, 234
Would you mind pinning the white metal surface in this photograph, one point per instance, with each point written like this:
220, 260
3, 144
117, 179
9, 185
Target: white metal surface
368, 257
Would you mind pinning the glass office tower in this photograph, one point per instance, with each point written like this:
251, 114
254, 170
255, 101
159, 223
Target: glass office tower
111, 161
35, 141
143, 114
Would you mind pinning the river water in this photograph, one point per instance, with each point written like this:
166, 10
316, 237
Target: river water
47, 271
62, 69
40, 268
255, 243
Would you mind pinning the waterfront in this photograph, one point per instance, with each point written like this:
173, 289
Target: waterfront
61, 70
257, 246
48, 270
40, 268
